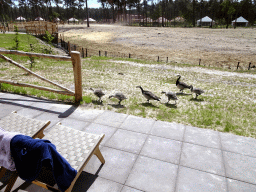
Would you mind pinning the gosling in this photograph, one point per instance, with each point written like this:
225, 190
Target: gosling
98, 92
120, 96
170, 95
197, 91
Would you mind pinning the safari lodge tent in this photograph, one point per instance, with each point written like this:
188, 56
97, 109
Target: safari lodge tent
242, 22
206, 21
72, 20
39, 19
20, 19
91, 20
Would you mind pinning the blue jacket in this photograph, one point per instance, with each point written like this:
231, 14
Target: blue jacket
29, 154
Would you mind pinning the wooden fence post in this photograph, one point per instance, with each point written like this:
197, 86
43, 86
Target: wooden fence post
82, 52
76, 62
249, 67
106, 53
167, 60
69, 50
86, 52
158, 59
99, 53
129, 55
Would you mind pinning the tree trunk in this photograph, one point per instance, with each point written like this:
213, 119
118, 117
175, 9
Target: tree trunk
87, 14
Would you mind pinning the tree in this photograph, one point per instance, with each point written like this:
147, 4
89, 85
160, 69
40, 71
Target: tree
228, 9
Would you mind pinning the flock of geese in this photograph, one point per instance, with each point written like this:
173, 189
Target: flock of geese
149, 95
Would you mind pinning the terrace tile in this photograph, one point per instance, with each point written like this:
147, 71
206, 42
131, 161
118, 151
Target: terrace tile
86, 114
168, 130
127, 140
240, 167
205, 137
152, 175
194, 180
117, 167
104, 185
238, 144
110, 118
49, 117
137, 124
129, 189
43, 105
162, 149
74, 123
8, 108
101, 129
31, 113
202, 158
63, 110
238, 186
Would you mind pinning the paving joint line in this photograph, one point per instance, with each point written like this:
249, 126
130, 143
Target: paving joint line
181, 149
223, 159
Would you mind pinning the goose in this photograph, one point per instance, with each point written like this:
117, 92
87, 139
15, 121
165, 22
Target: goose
148, 95
197, 91
171, 96
119, 96
98, 92
181, 85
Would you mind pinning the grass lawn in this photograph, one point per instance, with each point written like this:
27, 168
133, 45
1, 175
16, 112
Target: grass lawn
228, 104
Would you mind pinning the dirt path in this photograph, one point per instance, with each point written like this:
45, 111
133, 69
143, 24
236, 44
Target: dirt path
218, 47
192, 69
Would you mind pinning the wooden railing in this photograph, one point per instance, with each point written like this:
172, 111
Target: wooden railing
76, 62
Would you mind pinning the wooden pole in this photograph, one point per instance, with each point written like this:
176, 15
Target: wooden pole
37, 87
99, 53
57, 38
22, 53
76, 61
199, 61
167, 60
106, 53
237, 65
158, 59
69, 51
129, 55
86, 52
82, 52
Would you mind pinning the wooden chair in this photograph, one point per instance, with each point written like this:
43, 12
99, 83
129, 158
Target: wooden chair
77, 147
26, 126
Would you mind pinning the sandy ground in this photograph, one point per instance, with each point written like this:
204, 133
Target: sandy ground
218, 47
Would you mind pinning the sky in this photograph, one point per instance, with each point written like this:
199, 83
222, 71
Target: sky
93, 4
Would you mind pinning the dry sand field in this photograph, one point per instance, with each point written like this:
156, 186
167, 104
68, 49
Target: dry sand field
215, 47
